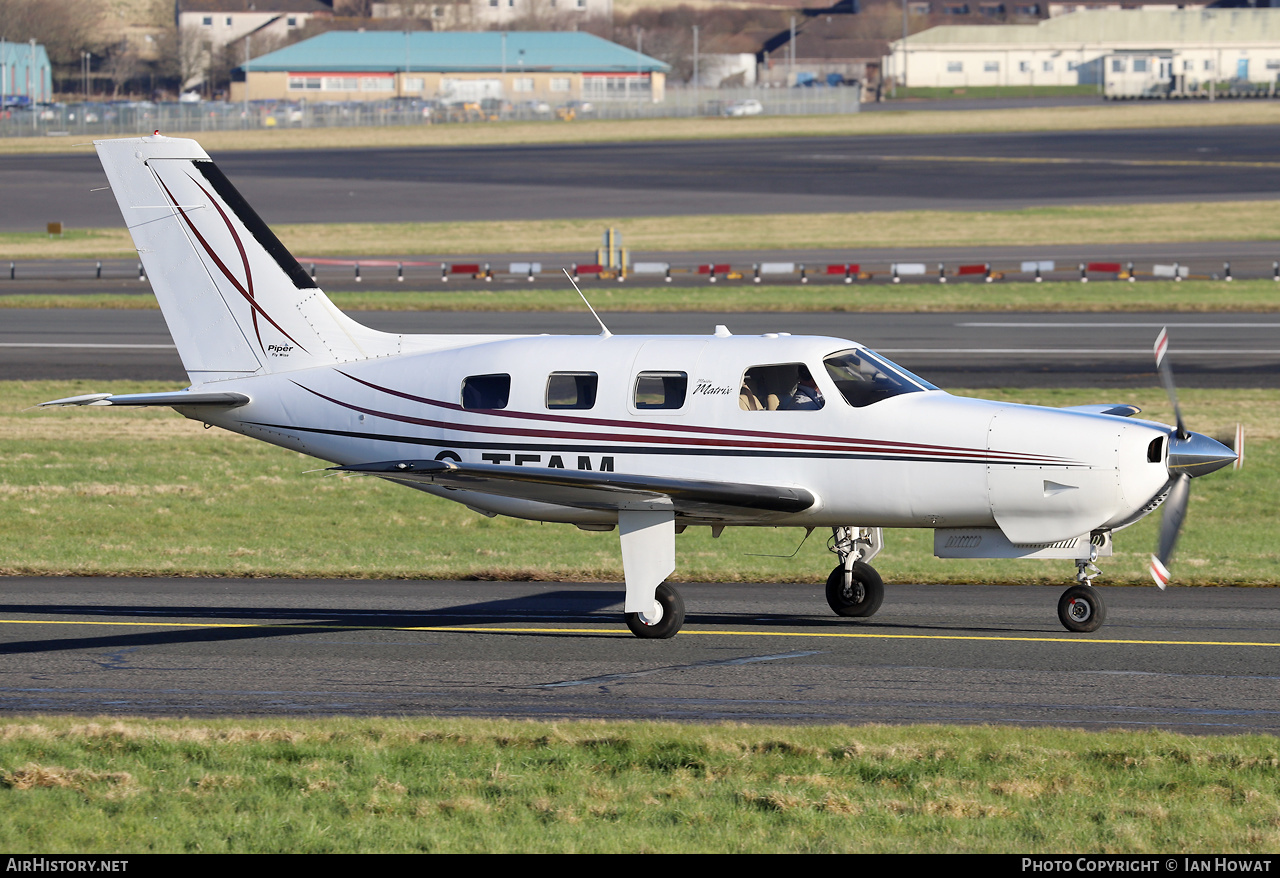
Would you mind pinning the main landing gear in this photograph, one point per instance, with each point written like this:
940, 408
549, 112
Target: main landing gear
1081, 608
664, 620
854, 589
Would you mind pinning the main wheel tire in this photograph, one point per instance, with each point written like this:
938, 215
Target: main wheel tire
864, 595
669, 613
1081, 609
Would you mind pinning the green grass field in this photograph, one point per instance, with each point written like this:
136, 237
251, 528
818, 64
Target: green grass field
738, 296
469, 786
146, 492
1092, 224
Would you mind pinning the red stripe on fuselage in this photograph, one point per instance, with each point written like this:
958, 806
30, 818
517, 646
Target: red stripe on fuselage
848, 446
835, 443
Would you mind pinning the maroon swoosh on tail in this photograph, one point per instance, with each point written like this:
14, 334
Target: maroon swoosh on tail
248, 296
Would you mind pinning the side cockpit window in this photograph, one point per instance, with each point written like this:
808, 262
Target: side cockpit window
661, 390
864, 378
486, 391
780, 387
572, 390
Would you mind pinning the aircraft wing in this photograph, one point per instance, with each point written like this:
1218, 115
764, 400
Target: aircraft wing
175, 398
1124, 409
598, 490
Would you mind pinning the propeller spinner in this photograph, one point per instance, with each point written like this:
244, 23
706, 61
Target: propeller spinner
1190, 455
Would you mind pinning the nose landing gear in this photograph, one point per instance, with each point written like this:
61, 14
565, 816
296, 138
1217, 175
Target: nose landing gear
1081, 608
854, 588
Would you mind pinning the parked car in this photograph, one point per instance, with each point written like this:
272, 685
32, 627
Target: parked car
749, 107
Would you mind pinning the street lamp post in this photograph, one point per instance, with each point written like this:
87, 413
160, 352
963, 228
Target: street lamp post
31, 84
695, 61
904, 43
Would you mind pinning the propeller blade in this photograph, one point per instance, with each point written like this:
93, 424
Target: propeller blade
1175, 510
1166, 378
1233, 439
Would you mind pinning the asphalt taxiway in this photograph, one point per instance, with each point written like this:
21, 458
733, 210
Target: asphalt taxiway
1110, 352
731, 176
1203, 661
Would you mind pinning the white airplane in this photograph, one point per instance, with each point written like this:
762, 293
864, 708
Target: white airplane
648, 434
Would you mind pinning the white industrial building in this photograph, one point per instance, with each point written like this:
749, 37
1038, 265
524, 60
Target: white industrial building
1128, 52
481, 13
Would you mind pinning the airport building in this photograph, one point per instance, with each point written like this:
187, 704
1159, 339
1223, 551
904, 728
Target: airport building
218, 23
454, 67
486, 13
25, 74
1126, 53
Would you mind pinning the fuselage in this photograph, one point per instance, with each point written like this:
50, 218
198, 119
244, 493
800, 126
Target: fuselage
882, 448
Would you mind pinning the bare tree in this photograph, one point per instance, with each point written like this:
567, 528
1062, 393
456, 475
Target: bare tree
122, 65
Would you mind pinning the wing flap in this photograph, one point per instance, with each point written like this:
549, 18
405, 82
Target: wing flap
597, 490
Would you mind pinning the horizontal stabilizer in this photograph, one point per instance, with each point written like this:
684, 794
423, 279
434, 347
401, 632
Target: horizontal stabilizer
598, 490
1123, 409
180, 398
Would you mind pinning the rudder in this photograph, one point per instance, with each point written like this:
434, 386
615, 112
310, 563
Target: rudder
235, 300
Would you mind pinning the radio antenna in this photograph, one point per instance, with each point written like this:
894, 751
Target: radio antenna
604, 330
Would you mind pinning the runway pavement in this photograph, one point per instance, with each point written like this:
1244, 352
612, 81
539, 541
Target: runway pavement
1203, 661
782, 175
1004, 349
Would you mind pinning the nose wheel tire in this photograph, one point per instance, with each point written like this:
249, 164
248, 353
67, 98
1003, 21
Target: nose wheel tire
664, 620
1081, 609
863, 596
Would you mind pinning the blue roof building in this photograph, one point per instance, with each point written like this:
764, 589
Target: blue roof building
455, 66
25, 73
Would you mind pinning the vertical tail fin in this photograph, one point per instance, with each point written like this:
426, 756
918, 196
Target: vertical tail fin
236, 301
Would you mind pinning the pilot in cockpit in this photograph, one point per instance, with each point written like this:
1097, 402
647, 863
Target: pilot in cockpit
805, 394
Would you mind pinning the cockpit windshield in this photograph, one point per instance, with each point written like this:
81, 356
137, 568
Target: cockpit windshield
865, 378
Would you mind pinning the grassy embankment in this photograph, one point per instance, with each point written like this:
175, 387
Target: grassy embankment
144, 492
1150, 115
456, 785
1066, 225
731, 297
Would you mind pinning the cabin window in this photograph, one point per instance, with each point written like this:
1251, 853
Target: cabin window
782, 387
572, 390
486, 391
661, 390
864, 378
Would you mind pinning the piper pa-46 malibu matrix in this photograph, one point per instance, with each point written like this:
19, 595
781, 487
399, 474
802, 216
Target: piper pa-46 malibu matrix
648, 434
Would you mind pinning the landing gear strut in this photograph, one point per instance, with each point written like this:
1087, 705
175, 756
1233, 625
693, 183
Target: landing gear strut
854, 589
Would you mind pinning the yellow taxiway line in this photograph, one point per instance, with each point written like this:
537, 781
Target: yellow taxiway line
500, 629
